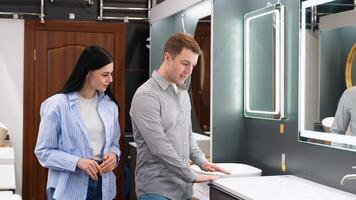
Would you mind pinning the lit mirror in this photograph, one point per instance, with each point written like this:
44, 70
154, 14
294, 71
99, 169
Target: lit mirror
326, 109
263, 63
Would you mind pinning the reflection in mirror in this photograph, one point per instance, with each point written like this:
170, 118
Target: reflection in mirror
349, 76
327, 35
263, 63
200, 80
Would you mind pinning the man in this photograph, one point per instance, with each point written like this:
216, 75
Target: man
344, 121
161, 121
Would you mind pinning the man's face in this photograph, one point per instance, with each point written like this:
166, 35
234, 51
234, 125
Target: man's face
181, 66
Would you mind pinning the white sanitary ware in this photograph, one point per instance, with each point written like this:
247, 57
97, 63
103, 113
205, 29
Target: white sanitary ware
327, 123
8, 195
7, 168
201, 190
7, 174
280, 188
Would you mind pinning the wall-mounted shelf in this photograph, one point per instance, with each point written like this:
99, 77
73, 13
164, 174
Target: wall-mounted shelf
108, 11
17, 15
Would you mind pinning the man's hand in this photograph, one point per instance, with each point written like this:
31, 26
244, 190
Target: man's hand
90, 167
211, 167
201, 178
109, 163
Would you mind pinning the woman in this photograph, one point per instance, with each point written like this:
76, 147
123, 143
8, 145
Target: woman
79, 132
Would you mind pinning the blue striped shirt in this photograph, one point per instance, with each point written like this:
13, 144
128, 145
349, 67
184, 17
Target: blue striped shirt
63, 140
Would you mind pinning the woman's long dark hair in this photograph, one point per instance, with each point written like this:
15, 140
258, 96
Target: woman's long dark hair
92, 58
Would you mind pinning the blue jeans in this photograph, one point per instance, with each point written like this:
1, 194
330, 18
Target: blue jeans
94, 190
152, 197
50, 192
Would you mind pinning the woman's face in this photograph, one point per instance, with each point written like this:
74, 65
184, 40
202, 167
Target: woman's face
101, 78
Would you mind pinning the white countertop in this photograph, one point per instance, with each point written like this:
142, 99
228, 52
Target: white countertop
280, 188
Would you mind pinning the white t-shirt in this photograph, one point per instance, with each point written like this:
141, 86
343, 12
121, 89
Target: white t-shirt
175, 87
93, 124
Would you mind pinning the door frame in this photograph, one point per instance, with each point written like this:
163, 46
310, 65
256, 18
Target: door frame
118, 86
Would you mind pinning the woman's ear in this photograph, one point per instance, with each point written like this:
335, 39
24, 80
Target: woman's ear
88, 74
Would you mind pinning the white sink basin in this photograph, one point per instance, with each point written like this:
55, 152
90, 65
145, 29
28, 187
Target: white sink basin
201, 190
280, 188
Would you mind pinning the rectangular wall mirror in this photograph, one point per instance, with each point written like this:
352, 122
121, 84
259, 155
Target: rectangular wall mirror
327, 37
263, 63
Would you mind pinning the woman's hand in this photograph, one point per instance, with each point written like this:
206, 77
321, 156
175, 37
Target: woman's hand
109, 162
90, 167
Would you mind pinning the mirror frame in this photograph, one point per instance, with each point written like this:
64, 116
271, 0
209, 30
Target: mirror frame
332, 137
202, 67
278, 112
348, 66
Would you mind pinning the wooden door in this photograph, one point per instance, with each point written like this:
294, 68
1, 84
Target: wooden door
201, 77
51, 51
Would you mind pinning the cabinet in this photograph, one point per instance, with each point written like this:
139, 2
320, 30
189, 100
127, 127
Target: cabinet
217, 193
133, 153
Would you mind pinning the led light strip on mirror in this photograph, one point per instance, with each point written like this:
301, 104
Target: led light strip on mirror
331, 137
278, 110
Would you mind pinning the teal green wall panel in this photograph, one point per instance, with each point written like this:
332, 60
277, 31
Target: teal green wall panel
229, 139
265, 143
160, 32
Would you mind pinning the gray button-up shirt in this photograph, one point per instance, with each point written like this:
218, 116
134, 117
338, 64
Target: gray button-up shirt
162, 130
346, 113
